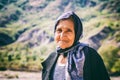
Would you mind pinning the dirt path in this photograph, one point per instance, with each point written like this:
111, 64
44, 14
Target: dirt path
20, 75
115, 78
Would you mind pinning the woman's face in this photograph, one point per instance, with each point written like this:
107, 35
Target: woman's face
64, 34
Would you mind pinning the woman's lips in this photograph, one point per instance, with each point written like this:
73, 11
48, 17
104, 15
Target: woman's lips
63, 41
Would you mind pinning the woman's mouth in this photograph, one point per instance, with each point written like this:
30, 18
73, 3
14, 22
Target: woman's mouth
63, 41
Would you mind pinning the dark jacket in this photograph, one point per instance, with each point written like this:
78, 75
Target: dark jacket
94, 68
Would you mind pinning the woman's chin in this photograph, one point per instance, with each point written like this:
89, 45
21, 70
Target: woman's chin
64, 47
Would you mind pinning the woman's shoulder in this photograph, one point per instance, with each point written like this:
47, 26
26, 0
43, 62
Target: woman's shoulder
92, 54
50, 57
90, 51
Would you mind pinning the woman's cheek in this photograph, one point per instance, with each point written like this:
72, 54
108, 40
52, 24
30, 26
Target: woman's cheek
56, 38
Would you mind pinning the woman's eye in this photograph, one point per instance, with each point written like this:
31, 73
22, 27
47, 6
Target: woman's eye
69, 30
59, 30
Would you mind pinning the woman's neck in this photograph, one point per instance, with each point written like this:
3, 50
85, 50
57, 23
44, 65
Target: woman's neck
62, 60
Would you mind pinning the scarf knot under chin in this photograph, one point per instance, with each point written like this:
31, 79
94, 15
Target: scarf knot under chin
76, 60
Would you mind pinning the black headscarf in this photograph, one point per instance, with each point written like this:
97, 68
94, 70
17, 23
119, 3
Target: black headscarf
77, 27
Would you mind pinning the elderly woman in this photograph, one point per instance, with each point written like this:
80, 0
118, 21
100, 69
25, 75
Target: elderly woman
72, 60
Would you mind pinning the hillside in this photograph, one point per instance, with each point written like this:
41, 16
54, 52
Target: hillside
26, 30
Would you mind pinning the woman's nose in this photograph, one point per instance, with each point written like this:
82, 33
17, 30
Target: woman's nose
63, 34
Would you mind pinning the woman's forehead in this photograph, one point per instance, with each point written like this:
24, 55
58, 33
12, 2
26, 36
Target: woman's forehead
65, 24
65, 21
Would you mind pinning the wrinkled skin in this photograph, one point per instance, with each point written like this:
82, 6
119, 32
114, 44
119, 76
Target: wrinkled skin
65, 34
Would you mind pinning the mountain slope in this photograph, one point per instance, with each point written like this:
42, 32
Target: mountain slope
26, 29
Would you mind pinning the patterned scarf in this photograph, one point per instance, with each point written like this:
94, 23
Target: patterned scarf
76, 60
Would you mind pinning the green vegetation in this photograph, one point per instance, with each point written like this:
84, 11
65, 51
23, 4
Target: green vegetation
110, 54
16, 58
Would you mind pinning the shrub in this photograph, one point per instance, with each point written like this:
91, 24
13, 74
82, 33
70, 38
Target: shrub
110, 56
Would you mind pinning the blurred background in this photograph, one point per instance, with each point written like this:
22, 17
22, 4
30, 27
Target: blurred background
27, 38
